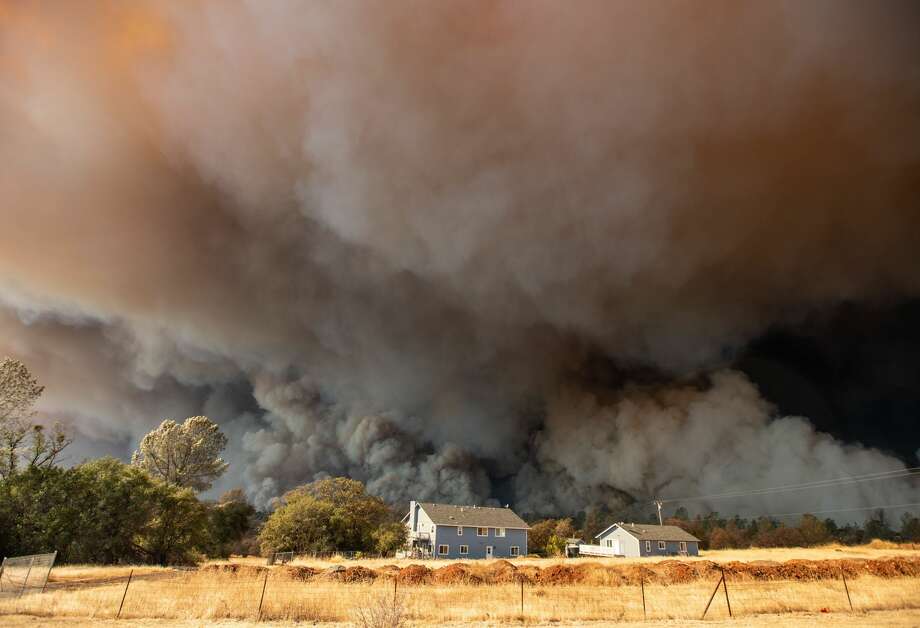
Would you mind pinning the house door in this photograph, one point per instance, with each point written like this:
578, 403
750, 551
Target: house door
489, 551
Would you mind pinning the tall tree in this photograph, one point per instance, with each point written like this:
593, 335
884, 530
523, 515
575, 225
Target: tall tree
19, 391
186, 455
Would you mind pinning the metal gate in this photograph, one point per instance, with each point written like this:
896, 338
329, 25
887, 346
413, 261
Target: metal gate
25, 574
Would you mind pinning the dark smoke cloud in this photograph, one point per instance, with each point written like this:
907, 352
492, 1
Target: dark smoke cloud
390, 240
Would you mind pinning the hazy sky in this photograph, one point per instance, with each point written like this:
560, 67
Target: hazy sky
552, 254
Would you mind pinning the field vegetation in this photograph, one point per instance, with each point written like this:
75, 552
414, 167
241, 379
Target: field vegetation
879, 578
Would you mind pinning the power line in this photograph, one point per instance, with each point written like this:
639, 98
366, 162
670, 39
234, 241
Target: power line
833, 482
856, 509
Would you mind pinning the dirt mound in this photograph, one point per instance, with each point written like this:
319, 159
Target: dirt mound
676, 572
245, 571
822, 569
455, 574
359, 574
301, 574
560, 574
500, 572
529, 573
893, 567
414, 574
593, 573
634, 574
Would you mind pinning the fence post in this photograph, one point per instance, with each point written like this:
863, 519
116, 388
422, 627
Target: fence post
26, 581
846, 588
394, 589
262, 597
48, 573
642, 588
725, 588
124, 595
2, 565
522, 598
712, 597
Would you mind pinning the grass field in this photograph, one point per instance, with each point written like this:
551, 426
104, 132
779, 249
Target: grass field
84, 595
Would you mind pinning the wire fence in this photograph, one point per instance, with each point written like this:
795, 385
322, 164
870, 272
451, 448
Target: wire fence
25, 574
205, 595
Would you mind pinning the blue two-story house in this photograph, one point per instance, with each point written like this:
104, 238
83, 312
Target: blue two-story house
444, 531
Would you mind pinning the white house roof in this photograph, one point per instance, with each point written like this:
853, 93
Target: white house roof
648, 532
473, 516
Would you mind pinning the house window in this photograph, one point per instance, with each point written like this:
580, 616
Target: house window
683, 546
459, 530
662, 545
443, 550
482, 531
464, 550
499, 532
648, 546
515, 551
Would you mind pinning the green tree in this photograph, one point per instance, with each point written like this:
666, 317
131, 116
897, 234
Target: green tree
555, 546
178, 529
183, 455
539, 534
334, 514
302, 524
229, 520
813, 530
122, 503
389, 537
40, 510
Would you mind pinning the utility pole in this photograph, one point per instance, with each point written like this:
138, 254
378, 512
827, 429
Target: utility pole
658, 503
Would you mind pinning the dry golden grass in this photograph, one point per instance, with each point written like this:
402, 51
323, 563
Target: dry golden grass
895, 619
92, 594
212, 596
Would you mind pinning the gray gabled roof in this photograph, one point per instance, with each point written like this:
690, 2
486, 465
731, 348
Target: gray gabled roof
649, 532
473, 516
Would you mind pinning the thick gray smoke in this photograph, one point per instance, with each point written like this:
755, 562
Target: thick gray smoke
390, 239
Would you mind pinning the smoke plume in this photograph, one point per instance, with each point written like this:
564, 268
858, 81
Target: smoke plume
463, 251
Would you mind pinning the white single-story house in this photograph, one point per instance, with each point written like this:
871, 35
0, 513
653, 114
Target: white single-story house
640, 539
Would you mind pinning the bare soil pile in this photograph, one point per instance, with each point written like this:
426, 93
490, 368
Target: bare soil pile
591, 573
358, 574
301, 574
414, 574
456, 574
664, 572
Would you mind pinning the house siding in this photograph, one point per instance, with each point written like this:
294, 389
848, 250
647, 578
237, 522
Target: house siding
447, 535
423, 522
672, 548
630, 546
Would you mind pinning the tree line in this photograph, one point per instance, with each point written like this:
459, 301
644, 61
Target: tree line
108, 511
548, 536
104, 510
150, 511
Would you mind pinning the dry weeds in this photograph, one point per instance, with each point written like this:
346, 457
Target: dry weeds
481, 592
